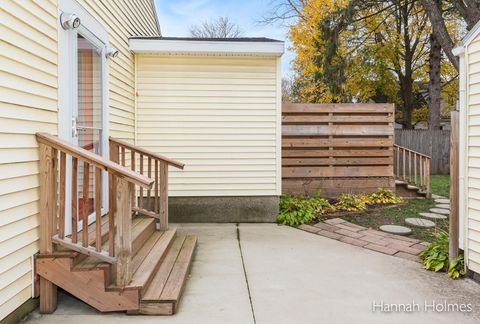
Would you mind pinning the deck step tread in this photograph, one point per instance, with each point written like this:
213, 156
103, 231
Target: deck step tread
139, 226
148, 267
163, 294
92, 230
141, 232
154, 290
145, 250
90, 263
177, 278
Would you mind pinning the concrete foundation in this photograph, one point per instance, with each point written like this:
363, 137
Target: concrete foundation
245, 209
17, 315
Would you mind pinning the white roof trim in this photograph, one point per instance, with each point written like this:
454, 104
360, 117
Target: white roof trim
459, 50
164, 46
470, 36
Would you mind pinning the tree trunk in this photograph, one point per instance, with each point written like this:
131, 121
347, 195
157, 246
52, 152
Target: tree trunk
469, 10
434, 13
406, 92
434, 87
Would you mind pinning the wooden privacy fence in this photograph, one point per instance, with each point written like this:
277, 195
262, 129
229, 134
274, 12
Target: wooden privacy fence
337, 148
434, 143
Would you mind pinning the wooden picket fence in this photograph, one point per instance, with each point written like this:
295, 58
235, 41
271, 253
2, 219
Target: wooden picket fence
337, 148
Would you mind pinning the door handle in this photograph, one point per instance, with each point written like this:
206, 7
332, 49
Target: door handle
74, 127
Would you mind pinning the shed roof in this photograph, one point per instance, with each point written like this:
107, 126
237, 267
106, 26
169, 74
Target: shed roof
257, 46
470, 36
230, 39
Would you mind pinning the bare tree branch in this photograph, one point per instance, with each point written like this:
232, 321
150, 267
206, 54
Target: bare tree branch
221, 27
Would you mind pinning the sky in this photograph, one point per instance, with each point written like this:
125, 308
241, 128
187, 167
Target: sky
176, 17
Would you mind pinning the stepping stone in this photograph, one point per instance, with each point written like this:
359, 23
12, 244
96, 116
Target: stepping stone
442, 201
395, 229
433, 216
419, 222
440, 211
434, 196
444, 206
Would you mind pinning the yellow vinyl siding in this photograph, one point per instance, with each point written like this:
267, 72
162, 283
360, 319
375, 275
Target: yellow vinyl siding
473, 158
122, 19
29, 104
218, 115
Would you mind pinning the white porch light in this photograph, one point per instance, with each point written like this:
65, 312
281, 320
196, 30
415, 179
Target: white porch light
69, 21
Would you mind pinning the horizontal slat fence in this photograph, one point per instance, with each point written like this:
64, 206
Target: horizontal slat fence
337, 148
434, 143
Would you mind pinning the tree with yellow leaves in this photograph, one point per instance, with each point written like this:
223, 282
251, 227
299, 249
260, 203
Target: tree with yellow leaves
362, 50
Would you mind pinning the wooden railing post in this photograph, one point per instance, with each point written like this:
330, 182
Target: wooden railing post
149, 162
47, 158
163, 196
123, 239
112, 187
427, 178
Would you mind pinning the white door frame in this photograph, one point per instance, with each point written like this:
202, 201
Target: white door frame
94, 32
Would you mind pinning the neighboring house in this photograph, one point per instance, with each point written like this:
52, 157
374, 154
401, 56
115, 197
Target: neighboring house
469, 148
213, 104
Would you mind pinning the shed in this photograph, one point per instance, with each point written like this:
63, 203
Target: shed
469, 148
215, 104
69, 69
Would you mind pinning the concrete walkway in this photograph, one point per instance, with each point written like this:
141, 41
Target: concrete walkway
279, 274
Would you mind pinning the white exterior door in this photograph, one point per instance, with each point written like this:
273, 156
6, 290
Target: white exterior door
83, 103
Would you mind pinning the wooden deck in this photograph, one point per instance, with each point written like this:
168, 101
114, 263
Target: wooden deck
160, 267
128, 260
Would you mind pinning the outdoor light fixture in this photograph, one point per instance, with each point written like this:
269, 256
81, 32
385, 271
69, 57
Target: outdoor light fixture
111, 52
69, 21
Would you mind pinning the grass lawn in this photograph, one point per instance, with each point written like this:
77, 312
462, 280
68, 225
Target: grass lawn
440, 185
374, 218
396, 216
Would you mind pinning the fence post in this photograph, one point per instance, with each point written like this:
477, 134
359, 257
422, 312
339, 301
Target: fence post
454, 189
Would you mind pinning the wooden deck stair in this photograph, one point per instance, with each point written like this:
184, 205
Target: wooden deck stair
160, 267
412, 172
128, 260
406, 190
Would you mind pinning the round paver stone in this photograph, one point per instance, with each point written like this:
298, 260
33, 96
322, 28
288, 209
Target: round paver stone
442, 201
433, 216
395, 229
419, 222
444, 206
440, 211
434, 196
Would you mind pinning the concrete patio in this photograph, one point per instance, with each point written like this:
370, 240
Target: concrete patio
265, 273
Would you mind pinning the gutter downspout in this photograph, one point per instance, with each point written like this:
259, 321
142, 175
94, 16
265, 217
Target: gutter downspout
463, 151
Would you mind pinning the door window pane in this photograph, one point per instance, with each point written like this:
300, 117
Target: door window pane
89, 118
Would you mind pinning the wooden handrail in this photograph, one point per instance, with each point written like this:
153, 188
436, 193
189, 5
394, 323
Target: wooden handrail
412, 168
53, 154
95, 160
148, 153
152, 203
412, 151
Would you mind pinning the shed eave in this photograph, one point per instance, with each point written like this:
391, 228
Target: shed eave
162, 46
470, 36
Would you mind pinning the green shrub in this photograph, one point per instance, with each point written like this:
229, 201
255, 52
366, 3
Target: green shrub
384, 196
351, 202
456, 268
300, 210
435, 256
